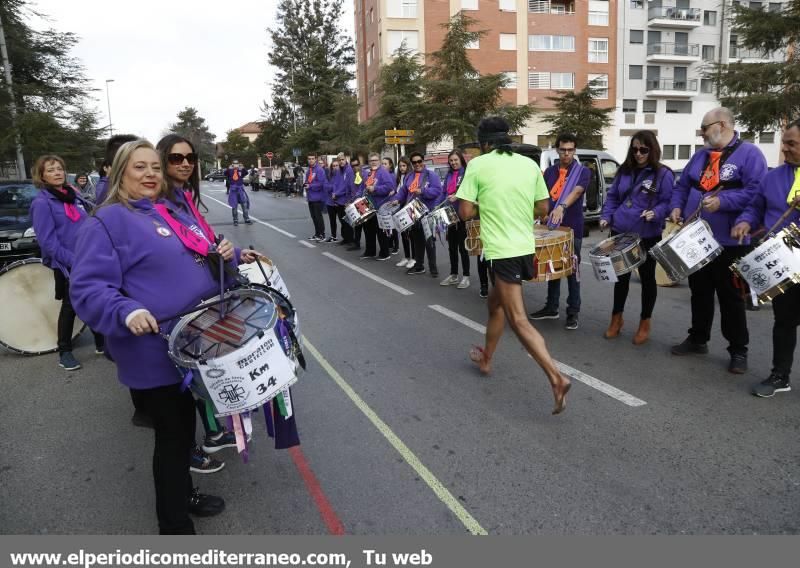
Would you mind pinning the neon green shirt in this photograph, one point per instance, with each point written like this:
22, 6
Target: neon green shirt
506, 188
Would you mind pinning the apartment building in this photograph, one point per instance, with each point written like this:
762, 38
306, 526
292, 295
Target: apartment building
541, 46
663, 48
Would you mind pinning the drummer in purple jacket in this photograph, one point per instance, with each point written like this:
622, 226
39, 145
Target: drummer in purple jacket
355, 189
344, 199
315, 193
237, 194
378, 186
778, 195
57, 213
735, 167
638, 202
335, 191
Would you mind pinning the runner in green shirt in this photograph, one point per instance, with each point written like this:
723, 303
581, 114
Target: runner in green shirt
510, 190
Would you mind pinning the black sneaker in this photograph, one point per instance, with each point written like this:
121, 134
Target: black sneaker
572, 321
384, 257
225, 440
544, 314
248, 222
312, 238
415, 270
201, 505
354, 247
203, 463
434, 274
141, 419
330, 240
484, 293
68, 361
738, 364
365, 256
772, 384
235, 223
688, 347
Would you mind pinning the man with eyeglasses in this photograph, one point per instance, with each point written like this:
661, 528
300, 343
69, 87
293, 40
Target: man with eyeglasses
720, 181
509, 190
355, 189
566, 182
237, 195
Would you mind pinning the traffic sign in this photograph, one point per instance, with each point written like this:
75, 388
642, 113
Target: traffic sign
394, 133
296, 152
399, 140
269, 155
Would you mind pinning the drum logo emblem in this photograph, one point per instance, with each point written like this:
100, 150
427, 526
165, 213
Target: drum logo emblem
727, 172
692, 253
215, 373
759, 279
231, 394
647, 184
163, 231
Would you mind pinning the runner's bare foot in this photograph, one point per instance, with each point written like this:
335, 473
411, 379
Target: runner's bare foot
560, 394
478, 355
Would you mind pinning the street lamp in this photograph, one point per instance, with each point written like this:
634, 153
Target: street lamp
108, 100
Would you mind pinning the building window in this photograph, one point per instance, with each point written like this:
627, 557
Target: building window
562, 80
538, 80
649, 105
698, 147
598, 50
637, 4
709, 17
775, 6
669, 152
551, 43
371, 16
679, 107
402, 9
684, 151
754, 5
508, 42
767, 138
474, 44
369, 54
511, 79
598, 13
635, 71
709, 52
508, 5
706, 86
637, 36
748, 136
469, 4
372, 89
396, 37
628, 105
600, 84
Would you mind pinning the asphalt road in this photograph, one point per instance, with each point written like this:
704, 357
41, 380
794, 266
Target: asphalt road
403, 436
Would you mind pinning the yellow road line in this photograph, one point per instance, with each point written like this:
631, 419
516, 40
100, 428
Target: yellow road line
436, 486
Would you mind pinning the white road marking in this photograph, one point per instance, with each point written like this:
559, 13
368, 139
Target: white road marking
370, 275
273, 227
307, 244
574, 373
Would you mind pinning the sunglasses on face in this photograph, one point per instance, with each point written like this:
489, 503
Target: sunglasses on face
416, 162
704, 127
177, 159
643, 150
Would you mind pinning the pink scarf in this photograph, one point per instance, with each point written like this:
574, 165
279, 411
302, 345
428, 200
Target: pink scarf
69, 208
204, 226
452, 183
190, 240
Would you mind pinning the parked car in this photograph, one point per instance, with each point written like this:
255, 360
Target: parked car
17, 237
266, 178
215, 175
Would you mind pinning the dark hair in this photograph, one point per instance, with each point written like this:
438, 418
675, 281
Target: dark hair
390, 161
114, 144
407, 162
412, 154
493, 132
794, 124
645, 138
460, 155
163, 148
566, 137
81, 175
355, 159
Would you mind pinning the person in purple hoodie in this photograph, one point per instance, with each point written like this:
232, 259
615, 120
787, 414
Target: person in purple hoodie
343, 199
456, 234
355, 189
237, 194
719, 181
777, 204
138, 261
112, 146
638, 202
425, 185
378, 185
57, 213
315, 193
334, 198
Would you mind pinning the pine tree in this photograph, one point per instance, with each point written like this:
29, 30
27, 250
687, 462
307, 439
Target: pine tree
238, 147
193, 127
578, 115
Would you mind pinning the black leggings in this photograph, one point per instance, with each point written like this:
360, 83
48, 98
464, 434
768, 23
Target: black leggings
408, 244
335, 212
315, 209
456, 237
647, 274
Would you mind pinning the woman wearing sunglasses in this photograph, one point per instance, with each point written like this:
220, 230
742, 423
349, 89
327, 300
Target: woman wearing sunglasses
638, 202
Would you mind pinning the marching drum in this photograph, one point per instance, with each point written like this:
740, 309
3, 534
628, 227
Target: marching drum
617, 255
555, 253
273, 278
686, 251
385, 213
774, 266
30, 310
662, 278
359, 211
444, 215
473, 242
412, 212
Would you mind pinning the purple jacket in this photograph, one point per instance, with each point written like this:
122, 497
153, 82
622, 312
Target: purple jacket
316, 189
745, 167
645, 190
127, 260
337, 187
240, 181
101, 190
573, 216
384, 186
56, 234
431, 193
769, 202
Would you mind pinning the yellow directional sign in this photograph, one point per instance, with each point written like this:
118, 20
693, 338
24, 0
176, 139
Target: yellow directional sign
390, 133
399, 140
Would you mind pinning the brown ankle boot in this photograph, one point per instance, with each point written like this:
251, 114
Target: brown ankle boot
614, 327
643, 333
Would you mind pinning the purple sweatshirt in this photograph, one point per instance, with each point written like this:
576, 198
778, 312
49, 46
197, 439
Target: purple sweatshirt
430, 186
573, 216
335, 188
55, 232
129, 259
645, 190
745, 167
101, 190
384, 186
769, 202
316, 189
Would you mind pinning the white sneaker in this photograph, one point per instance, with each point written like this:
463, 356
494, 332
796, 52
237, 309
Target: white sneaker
402, 262
410, 263
452, 279
464, 283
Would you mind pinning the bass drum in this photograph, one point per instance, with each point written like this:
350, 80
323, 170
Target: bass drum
30, 311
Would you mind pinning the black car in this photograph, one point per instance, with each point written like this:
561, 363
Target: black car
215, 175
17, 237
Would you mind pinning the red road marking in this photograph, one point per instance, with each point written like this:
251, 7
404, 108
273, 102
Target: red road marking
329, 516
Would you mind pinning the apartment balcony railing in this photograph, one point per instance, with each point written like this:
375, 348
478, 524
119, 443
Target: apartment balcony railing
678, 15
686, 87
551, 7
674, 49
737, 52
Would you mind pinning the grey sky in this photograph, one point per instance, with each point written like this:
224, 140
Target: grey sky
165, 55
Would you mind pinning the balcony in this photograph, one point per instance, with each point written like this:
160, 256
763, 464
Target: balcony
673, 52
671, 88
671, 17
744, 55
555, 7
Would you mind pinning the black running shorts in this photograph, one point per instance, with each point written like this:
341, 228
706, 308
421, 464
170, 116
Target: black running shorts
512, 270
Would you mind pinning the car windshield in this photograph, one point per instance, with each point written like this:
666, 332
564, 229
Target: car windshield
17, 196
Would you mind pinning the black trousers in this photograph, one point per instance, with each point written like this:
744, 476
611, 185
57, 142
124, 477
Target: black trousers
456, 237
172, 412
421, 245
394, 240
408, 245
315, 209
347, 229
66, 317
483, 273
357, 235
336, 212
647, 274
717, 277
371, 234
786, 309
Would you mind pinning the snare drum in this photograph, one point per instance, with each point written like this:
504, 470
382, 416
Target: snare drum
359, 211
686, 251
443, 216
30, 311
619, 254
473, 242
555, 253
774, 266
273, 278
412, 212
385, 213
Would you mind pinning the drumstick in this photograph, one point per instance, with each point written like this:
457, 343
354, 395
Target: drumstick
261, 268
221, 279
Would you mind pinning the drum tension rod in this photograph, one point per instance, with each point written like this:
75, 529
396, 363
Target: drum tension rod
202, 306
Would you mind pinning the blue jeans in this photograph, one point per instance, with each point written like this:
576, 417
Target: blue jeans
574, 287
